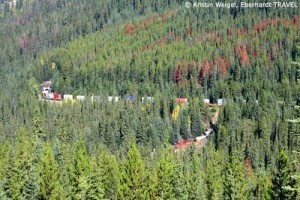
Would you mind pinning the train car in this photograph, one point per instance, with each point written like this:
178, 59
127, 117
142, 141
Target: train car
80, 98
57, 97
95, 98
130, 99
50, 96
220, 102
68, 97
183, 144
206, 101
45, 91
200, 138
147, 99
113, 98
181, 100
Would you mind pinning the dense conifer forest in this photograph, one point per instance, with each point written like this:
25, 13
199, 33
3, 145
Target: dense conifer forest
136, 149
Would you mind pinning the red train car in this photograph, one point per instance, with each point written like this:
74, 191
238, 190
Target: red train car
181, 100
57, 97
183, 144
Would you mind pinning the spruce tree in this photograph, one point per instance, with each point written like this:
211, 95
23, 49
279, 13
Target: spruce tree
63, 169
165, 173
50, 187
282, 178
196, 186
179, 182
19, 165
235, 183
31, 188
133, 182
213, 175
80, 172
110, 175
39, 132
8, 180
95, 189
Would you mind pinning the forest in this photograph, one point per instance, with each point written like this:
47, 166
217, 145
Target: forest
103, 150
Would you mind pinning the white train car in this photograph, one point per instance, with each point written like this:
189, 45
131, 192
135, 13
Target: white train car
80, 98
147, 99
113, 98
95, 98
206, 101
68, 97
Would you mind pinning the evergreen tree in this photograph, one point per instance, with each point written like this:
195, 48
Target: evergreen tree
213, 175
235, 183
80, 171
31, 188
282, 178
8, 181
133, 182
110, 175
179, 182
64, 176
50, 187
196, 187
95, 188
19, 165
165, 174
39, 132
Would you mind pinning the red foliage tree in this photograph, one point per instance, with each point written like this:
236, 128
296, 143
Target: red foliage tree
162, 41
272, 22
230, 32
284, 22
248, 167
237, 49
223, 65
171, 34
241, 32
144, 23
295, 21
177, 73
130, 29
204, 69
22, 43
163, 19
243, 57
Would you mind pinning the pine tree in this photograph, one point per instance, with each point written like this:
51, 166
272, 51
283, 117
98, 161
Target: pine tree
8, 181
196, 186
282, 178
39, 135
80, 171
50, 187
179, 183
63, 165
196, 128
133, 182
64, 134
95, 188
110, 175
39, 132
165, 173
19, 165
213, 175
31, 187
235, 183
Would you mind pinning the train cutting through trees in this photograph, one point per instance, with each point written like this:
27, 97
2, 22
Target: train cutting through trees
50, 96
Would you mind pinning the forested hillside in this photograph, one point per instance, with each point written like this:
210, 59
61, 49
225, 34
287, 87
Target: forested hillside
87, 149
